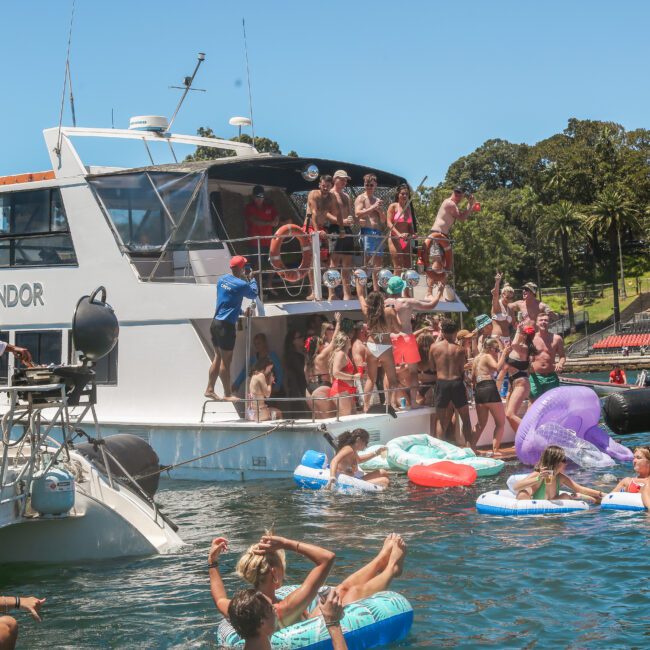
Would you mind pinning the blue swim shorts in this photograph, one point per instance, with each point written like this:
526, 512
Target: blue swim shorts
373, 241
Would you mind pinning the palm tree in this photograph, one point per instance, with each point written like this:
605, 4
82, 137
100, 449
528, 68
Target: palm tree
532, 207
561, 222
611, 213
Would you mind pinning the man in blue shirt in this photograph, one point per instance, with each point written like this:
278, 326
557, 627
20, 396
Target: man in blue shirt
231, 291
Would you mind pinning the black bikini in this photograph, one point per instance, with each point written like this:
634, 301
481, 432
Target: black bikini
520, 365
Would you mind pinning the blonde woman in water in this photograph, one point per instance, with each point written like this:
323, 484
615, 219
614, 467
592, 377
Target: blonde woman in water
264, 565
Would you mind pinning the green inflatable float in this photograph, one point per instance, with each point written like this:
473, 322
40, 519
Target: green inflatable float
422, 449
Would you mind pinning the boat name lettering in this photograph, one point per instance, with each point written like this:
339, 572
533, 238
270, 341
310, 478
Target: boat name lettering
27, 294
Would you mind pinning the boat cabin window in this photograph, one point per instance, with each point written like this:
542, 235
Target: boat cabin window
151, 210
44, 345
34, 229
4, 360
105, 369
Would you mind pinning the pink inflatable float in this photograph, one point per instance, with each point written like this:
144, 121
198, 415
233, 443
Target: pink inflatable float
574, 408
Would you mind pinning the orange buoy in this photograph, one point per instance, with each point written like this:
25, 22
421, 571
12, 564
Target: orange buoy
442, 474
288, 231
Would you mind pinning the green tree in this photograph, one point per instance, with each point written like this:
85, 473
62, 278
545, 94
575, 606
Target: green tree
562, 222
263, 145
611, 213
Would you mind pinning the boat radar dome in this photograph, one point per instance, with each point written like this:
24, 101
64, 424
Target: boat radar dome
156, 123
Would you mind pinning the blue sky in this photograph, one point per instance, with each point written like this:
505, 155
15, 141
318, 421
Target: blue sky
407, 87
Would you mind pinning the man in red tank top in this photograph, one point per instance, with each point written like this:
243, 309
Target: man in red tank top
617, 376
261, 221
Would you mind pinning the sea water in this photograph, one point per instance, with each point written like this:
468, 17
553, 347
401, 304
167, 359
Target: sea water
572, 581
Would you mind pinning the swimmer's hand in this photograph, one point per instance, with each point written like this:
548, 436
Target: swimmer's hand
32, 605
330, 482
270, 544
380, 451
218, 546
331, 608
545, 474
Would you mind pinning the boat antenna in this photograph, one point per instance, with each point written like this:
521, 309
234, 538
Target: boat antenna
248, 76
65, 81
186, 87
74, 117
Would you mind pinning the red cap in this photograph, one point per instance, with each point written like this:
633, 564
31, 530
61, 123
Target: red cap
238, 260
529, 330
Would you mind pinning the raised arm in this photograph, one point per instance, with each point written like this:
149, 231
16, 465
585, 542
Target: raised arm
496, 307
217, 590
428, 304
361, 295
294, 605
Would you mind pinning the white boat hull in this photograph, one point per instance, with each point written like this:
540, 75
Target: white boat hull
275, 455
105, 522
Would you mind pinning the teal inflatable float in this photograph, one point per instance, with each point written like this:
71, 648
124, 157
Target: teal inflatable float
422, 449
383, 618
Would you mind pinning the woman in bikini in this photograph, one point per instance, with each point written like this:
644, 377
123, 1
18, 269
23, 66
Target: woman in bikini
259, 388
344, 373
502, 314
319, 382
548, 477
518, 360
263, 565
485, 370
381, 323
399, 219
349, 446
641, 465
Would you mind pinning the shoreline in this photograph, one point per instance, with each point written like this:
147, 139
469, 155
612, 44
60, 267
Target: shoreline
604, 363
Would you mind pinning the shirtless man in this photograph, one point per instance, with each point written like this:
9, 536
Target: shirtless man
440, 253
341, 256
369, 211
529, 307
544, 368
322, 212
448, 360
405, 347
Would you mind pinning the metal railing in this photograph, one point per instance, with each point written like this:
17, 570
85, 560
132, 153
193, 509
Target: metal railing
322, 245
253, 406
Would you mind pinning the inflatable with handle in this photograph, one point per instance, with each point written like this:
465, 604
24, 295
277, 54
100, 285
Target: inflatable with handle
574, 408
421, 449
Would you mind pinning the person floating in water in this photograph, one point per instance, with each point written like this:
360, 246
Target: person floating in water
264, 566
348, 456
641, 465
548, 477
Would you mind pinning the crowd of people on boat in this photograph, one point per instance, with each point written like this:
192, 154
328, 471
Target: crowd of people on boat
398, 356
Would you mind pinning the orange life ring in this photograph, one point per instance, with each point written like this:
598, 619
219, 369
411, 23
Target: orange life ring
283, 233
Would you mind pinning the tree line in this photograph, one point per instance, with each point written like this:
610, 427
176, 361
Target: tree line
567, 210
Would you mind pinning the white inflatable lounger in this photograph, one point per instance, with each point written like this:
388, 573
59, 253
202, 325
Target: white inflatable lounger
316, 479
623, 501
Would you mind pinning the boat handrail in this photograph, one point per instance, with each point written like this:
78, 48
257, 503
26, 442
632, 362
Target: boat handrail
269, 402
251, 248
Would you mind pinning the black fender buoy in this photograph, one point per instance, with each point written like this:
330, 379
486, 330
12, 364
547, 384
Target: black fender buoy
628, 411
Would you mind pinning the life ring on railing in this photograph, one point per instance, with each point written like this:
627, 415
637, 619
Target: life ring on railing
283, 233
443, 243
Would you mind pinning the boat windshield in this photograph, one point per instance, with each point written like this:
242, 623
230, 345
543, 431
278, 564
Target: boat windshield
155, 211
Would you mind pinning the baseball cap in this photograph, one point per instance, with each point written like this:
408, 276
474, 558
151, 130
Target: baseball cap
258, 191
395, 285
341, 173
238, 261
459, 189
530, 286
482, 320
